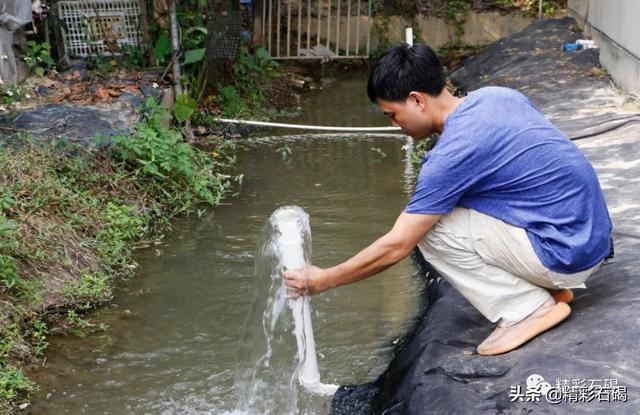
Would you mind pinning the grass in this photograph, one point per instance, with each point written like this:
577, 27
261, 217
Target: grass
69, 217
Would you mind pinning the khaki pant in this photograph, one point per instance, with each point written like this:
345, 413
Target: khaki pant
493, 265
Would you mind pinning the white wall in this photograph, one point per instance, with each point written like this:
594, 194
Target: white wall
615, 27
480, 28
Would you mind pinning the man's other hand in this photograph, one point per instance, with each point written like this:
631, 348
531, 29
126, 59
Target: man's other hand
308, 280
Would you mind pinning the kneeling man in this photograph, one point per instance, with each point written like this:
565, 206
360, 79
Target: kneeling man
506, 208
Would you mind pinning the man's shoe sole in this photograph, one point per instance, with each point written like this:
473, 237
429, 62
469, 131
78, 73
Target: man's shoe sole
557, 314
563, 296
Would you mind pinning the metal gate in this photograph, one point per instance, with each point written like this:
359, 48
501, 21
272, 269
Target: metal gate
318, 29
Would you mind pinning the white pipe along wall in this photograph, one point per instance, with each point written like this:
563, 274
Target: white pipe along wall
305, 127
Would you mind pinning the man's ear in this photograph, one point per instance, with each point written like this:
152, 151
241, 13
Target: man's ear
417, 98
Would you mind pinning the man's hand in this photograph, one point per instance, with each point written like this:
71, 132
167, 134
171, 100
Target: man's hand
384, 252
304, 281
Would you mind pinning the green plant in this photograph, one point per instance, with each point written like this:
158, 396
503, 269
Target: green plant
159, 153
244, 97
231, 102
549, 7
37, 57
456, 12
76, 325
192, 16
377, 52
421, 148
9, 271
121, 223
9, 274
503, 4
89, 289
184, 107
132, 57
192, 41
255, 66
39, 336
12, 383
104, 65
193, 56
12, 94
381, 28
162, 48
530, 7
7, 200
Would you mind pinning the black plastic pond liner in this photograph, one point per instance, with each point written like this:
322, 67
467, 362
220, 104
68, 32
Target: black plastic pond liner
86, 125
73, 123
435, 369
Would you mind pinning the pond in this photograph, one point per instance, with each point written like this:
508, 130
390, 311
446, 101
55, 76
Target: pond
174, 329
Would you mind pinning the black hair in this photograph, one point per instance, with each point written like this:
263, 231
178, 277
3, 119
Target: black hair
403, 69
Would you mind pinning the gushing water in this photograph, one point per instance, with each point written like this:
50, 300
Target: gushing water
262, 387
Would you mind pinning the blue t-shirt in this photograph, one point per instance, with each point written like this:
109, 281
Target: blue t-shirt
499, 155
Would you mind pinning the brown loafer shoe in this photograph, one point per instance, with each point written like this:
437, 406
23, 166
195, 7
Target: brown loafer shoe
505, 339
563, 295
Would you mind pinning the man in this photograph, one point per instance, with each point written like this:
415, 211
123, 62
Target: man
506, 208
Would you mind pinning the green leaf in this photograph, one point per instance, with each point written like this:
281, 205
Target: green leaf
194, 55
200, 29
262, 54
162, 48
153, 170
184, 108
7, 227
46, 58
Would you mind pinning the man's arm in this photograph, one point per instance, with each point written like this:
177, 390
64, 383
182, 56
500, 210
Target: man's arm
384, 252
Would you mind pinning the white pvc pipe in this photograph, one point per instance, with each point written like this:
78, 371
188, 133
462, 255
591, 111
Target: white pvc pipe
305, 127
408, 36
290, 242
175, 48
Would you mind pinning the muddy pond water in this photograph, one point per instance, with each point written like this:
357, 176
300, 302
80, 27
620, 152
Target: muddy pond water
174, 329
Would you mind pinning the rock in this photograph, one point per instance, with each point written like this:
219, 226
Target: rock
298, 82
43, 90
152, 91
130, 99
85, 75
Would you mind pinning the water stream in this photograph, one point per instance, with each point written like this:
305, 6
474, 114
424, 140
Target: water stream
174, 338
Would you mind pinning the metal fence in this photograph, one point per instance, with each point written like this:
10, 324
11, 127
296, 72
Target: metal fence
322, 29
223, 38
94, 27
